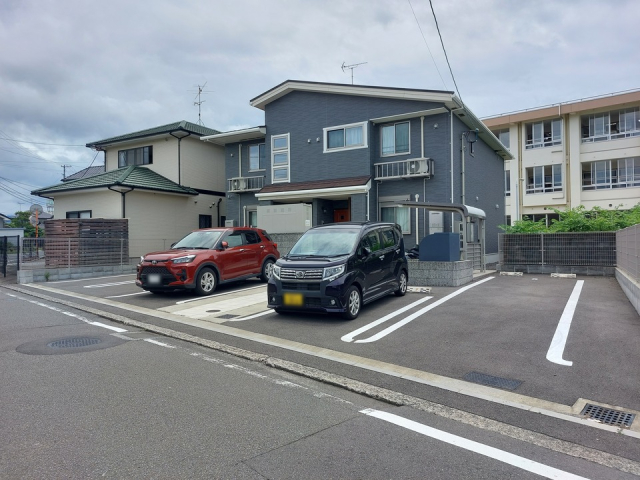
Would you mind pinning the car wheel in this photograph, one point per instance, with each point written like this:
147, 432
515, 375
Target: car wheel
267, 270
354, 302
206, 282
155, 291
402, 284
280, 311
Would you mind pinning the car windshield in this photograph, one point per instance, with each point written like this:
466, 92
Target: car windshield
198, 240
325, 242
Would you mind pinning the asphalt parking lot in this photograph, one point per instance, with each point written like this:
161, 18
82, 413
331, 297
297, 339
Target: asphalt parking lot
555, 339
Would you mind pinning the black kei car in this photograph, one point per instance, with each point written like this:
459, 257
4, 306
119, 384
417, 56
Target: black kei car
339, 267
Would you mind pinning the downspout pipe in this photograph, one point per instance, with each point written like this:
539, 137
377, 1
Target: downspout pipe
179, 140
218, 210
122, 193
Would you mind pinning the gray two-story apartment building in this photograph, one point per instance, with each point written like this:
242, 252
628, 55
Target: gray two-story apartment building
333, 152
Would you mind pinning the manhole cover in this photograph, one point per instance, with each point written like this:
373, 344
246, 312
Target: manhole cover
76, 342
608, 416
492, 381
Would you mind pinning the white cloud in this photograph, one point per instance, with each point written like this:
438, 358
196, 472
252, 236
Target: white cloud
79, 70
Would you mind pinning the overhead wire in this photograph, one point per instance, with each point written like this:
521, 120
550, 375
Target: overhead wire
445, 50
427, 45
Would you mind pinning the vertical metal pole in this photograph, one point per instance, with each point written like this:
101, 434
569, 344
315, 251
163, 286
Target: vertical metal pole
542, 247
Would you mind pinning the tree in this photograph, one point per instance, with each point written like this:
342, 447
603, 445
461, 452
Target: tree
21, 220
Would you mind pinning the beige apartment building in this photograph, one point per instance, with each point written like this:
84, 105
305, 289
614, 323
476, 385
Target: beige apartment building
582, 152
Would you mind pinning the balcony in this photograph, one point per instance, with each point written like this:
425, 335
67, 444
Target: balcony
244, 184
412, 168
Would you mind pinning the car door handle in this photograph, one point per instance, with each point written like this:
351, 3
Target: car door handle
381, 257
261, 246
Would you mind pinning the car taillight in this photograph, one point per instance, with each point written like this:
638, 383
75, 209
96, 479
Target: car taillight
275, 245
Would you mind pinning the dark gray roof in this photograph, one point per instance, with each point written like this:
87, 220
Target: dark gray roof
135, 177
85, 173
182, 126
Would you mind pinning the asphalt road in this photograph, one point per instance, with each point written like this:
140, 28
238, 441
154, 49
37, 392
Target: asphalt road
435, 347
85, 397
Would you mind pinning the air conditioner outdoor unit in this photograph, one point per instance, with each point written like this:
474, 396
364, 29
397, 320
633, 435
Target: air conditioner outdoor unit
238, 184
229, 223
415, 167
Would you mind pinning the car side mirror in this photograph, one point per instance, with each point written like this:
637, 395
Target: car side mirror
366, 251
173, 244
224, 245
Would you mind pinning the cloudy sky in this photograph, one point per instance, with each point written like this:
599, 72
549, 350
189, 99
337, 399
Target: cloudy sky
76, 71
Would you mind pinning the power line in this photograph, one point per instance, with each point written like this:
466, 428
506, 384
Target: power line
445, 51
425, 42
42, 143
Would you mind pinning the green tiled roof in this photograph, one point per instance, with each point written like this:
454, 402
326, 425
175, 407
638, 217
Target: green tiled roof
182, 126
136, 177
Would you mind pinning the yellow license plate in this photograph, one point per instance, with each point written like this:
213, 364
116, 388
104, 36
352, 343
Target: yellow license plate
293, 299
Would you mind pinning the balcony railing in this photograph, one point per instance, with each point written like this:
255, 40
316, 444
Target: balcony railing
245, 184
412, 168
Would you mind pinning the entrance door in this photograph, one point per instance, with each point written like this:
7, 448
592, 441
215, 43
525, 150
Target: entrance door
341, 215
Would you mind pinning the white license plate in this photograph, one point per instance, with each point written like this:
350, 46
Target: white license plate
154, 279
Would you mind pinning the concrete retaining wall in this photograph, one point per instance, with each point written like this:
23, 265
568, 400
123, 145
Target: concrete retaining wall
440, 274
594, 271
630, 287
55, 274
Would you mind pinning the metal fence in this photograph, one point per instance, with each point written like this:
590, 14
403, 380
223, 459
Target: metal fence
628, 249
74, 252
562, 249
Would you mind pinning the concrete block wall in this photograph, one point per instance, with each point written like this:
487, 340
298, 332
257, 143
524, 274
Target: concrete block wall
56, 274
440, 274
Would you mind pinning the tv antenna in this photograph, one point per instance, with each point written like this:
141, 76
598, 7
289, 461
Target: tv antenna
201, 90
351, 67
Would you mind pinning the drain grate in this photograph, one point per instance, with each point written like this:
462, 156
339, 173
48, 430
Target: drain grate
75, 342
608, 416
227, 315
491, 381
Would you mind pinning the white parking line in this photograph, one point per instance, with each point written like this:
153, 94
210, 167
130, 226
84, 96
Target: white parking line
129, 294
415, 315
155, 342
556, 349
350, 336
70, 314
109, 284
255, 315
217, 295
480, 448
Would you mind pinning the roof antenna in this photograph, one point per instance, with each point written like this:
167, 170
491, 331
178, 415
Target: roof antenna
351, 67
201, 90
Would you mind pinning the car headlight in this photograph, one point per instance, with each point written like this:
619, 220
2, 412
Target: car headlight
331, 273
276, 271
185, 259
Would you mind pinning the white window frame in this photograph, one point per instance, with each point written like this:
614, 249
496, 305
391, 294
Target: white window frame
365, 139
394, 154
507, 183
406, 229
608, 174
615, 124
279, 151
540, 175
538, 138
257, 145
502, 134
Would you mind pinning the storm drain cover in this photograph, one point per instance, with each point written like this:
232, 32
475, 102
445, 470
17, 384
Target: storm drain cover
227, 315
491, 381
76, 342
608, 416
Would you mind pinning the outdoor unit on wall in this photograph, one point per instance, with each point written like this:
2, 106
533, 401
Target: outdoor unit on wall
229, 223
238, 184
415, 167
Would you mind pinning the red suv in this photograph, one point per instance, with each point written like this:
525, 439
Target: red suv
205, 258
